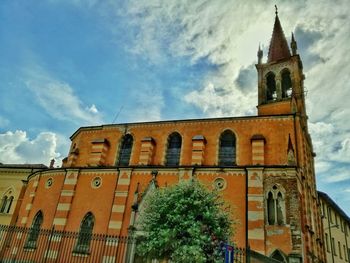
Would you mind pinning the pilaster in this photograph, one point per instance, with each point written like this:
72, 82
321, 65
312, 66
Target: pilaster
255, 211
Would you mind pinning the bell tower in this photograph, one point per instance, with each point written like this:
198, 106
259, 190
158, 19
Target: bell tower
280, 79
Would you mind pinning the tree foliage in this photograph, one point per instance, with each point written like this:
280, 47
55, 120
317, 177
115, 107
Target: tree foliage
186, 222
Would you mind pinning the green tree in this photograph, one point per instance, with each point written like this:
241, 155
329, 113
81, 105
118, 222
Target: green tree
186, 222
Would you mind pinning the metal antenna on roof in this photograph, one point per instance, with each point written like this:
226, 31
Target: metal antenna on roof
276, 12
116, 116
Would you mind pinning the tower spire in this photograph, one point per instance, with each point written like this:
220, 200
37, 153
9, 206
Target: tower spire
293, 45
278, 45
260, 55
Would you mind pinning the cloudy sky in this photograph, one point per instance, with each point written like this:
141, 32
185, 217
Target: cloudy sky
126, 61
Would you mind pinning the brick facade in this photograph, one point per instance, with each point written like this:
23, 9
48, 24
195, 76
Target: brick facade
270, 183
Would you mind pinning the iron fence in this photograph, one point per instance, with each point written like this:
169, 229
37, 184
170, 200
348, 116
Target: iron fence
24, 245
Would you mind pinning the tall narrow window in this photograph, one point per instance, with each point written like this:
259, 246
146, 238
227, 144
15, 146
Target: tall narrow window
275, 206
34, 231
339, 247
333, 247
271, 93
345, 254
125, 150
8, 205
327, 242
85, 234
271, 209
279, 204
286, 84
3, 204
227, 150
173, 150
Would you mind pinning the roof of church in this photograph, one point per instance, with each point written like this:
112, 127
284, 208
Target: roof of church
278, 46
238, 118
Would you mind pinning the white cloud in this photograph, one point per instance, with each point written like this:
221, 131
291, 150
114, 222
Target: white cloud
17, 148
227, 33
214, 104
93, 109
59, 99
337, 175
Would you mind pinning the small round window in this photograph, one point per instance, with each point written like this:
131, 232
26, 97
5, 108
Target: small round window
96, 182
219, 184
49, 182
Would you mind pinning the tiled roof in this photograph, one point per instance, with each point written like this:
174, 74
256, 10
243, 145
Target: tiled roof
278, 46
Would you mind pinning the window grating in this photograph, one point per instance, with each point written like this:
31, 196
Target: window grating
125, 150
174, 150
227, 151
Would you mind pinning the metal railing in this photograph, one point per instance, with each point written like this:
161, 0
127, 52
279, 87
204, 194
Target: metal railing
22, 245
61, 246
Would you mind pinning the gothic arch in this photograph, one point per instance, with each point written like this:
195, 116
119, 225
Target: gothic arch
279, 256
34, 230
275, 205
271, 91
85, 234
7, 200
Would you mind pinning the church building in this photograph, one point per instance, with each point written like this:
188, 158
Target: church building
263, 165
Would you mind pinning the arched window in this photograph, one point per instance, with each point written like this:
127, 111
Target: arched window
3, 204
286, 84
125, 150
271, 209
227, 148
8, 205
34, 231
275, 206
278, 256
173, 150
271, 93
85, 234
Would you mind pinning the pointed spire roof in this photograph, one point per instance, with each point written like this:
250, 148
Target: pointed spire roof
278, 45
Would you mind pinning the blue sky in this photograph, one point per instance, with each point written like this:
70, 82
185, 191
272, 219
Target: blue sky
127, 61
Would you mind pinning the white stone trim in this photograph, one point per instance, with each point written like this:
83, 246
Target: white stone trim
124, 181
59, 221
257, 198
115, 224
256, 233
121, 193
71, 181
63, 207
118, 208
255, 215
67, 192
